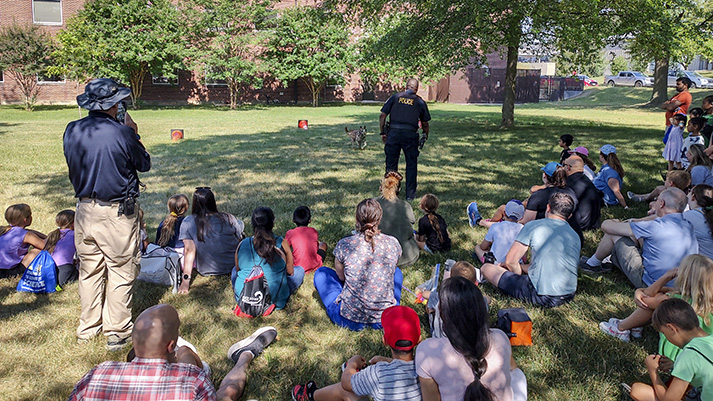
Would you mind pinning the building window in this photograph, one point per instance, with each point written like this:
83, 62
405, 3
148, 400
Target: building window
161, 80
47, 12
43, 79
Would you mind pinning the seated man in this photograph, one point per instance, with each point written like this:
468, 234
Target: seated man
551, 279
161, 371
645, 249
588, 210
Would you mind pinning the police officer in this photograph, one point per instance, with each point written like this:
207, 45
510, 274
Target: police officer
406, 110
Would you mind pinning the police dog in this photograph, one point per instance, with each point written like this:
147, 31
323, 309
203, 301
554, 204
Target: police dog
358, 137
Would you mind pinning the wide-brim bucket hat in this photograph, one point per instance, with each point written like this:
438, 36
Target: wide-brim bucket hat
102, 94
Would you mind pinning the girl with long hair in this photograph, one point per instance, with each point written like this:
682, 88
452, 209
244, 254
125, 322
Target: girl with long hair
16, 239
170, 228
209, 237
589, 167
554, 177
270, 252
700, 215
432, 232
365, 280
472, 362
60, 244
398, 218
610, 179
701, 167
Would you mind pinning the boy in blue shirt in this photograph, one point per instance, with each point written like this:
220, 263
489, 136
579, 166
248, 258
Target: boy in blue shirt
677, 320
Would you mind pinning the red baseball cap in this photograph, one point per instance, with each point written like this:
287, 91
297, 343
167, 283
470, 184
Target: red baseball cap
401, 323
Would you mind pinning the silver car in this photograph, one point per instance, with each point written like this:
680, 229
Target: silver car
697, 80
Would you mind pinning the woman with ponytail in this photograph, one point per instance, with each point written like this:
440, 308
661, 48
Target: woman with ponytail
209, 237
398, 218
432, 232
16, 239
473, 362
170, 228
700, 215
271, 253
60, 244
365, 280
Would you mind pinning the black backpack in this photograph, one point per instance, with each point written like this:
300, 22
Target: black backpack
254, 299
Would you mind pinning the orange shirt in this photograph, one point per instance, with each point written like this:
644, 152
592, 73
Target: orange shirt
685, 98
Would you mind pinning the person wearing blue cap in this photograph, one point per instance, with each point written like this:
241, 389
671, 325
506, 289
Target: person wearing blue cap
104, 157
610, 179
554, 177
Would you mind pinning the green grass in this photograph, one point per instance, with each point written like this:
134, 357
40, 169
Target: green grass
256, 156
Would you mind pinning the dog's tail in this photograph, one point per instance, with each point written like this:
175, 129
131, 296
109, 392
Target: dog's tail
346, 129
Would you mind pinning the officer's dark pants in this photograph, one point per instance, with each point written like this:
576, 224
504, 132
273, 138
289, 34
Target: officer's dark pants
408, 141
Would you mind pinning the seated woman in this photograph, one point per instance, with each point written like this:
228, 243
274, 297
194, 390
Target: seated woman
16, 239
610, 179
272, 254
365, 280
209, 237
473, 361
701, 167
700, 215
398, 218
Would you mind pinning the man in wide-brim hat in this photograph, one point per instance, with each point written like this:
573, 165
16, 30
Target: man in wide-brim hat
103, 156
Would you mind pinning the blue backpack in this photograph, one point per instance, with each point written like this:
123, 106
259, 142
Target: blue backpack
40, 276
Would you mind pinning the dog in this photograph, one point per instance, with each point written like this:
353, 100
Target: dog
358, 137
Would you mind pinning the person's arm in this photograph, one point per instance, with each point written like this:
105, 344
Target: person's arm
35, 240
425, 128
618, 228
129, 122
339, 267
354, 364
289, 260
482, 248
675, 391
512, 260
429, 389
189, 256
614, 185
528, 216
379, 358
382, 124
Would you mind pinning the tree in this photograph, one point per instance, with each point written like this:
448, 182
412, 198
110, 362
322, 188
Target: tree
441, 36
124, 40
310, 44
24, 53
618, 63
588, 63
227, 39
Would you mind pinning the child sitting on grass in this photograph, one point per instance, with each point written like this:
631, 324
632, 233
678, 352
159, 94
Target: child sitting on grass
60, 244
677, 320
680, 179
565, 142
432, 234
16, 239
501, 235
307, 251
170, 228
385, 378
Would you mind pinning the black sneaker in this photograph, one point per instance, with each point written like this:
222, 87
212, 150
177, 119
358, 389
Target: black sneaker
115, 343
254, 344
585, 267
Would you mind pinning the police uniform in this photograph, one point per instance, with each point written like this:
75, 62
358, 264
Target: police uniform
406, 110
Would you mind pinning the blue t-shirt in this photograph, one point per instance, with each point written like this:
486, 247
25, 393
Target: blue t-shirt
667, 240
555, 250
275, 273
601, 181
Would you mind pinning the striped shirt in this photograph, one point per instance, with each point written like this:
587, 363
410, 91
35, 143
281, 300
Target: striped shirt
384, 381
144, 379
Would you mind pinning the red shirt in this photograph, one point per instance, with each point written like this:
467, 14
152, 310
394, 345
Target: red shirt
685, 98
144, 379
305, 243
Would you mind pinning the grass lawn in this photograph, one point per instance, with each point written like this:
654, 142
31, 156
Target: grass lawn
256, 156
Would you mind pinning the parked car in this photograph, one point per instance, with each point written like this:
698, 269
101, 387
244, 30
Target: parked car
629, 78
587, 81
697, 80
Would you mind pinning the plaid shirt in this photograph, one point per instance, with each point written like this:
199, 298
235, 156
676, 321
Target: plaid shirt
144, 379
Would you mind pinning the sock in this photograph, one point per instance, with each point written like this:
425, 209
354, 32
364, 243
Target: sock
593, 261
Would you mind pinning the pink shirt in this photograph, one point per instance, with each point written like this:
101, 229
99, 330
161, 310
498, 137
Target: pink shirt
305, 243
437, 359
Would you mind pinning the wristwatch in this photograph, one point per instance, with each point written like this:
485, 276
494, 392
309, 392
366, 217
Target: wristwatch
186, 276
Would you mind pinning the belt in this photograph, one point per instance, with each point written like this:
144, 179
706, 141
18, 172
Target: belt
98, 202
408, 127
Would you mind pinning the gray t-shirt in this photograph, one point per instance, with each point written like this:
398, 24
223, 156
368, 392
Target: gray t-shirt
215, 255
396, 380
555, 250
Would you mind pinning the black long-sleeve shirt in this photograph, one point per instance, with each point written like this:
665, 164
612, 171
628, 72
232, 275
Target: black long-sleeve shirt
103, 157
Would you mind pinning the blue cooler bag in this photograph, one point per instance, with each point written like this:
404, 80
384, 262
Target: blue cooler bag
40, 276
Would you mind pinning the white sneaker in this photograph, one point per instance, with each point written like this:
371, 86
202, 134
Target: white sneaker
611, 329
636, 332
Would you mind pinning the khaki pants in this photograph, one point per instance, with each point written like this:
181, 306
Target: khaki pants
109, 254
626, 255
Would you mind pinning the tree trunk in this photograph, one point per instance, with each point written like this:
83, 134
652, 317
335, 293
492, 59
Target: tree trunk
660, 94
29, 88
234, 93
136, 80
508, 111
